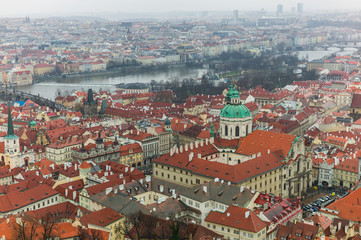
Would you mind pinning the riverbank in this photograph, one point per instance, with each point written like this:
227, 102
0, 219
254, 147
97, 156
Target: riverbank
49, 87
115, 73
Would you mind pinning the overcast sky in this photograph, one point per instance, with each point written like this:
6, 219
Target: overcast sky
68, 7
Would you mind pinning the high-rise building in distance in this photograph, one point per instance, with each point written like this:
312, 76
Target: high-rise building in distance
279, 9
299, 8
235, 16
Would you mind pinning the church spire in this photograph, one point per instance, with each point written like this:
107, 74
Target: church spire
10, 124
212, 130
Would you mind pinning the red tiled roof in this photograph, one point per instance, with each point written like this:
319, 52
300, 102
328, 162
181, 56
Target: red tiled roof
101, 218
264, 141
236, 217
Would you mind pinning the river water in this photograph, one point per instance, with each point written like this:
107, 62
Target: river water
48, 88
315, 55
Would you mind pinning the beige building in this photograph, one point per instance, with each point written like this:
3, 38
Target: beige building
236, 223
346, 173
131, 154
61, 151
20, 77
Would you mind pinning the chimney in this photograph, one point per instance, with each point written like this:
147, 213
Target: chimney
229, 183
186, 147
268, 151
66, 192
202, 143
246, 214
216, 180
74, 195
191, 146
181, 149
126, 169
121, 187
171, 152
131, 169
161, 188
241, 189
191, 155
205, 189
211, 140
196, 144
207, 141
228, 214
339, 226
115, 190
76, 167
108, 190
199, 155
148, 178
176, 150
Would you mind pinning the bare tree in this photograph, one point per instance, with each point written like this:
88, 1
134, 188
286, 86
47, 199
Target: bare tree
86, 234
48, 225
131, 227
25, 227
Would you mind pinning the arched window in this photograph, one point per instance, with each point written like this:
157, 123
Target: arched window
237, 131
2, 159
246, 130
226, 130
230, 132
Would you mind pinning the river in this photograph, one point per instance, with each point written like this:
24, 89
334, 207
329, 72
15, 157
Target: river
315, 55
48, 88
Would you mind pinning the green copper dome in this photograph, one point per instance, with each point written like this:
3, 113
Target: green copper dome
167, 122
235, 111
32, 124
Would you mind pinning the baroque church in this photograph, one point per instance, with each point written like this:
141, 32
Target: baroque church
236, 119
11, 153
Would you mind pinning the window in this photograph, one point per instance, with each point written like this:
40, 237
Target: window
197, 205
190, 202
250, 235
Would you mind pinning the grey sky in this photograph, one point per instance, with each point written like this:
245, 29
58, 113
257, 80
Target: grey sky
59, 7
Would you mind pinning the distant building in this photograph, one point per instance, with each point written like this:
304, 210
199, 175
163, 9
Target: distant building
299, 8
235, 16
279, 9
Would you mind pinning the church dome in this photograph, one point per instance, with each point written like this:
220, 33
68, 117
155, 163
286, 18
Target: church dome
235, 111
167, 122
32, 124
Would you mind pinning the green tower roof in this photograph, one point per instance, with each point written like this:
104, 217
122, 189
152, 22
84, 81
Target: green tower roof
167, 122
10, 133
212, 130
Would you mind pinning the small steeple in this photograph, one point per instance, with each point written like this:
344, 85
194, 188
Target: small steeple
90, 96
212, 130
115, 143
82, 149
99, 140
10, 124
